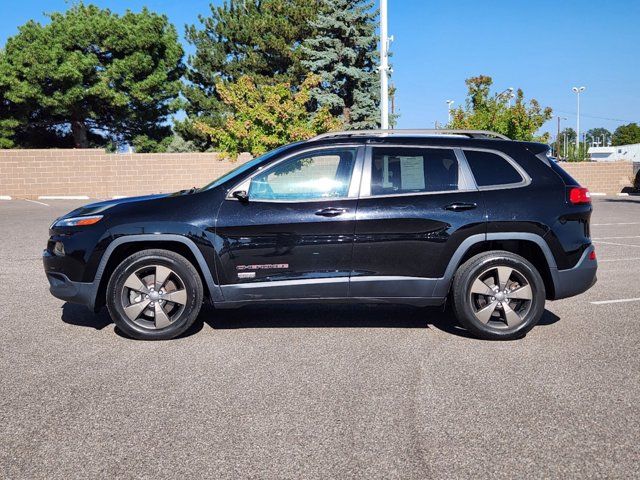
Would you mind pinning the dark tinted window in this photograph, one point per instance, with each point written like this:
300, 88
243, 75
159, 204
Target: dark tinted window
407, 170
490, 169
568, 179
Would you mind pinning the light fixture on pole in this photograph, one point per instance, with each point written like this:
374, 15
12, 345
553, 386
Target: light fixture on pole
578, 91
449, 104
385, 40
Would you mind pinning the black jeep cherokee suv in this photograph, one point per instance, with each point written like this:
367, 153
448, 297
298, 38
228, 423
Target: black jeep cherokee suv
412, 217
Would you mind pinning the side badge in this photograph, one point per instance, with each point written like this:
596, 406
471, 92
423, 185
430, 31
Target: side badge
245, 275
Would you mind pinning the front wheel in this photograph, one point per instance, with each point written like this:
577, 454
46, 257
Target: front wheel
154, 295
498, 295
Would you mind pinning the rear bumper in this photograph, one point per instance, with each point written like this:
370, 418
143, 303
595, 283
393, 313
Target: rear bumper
576, 280
61, 287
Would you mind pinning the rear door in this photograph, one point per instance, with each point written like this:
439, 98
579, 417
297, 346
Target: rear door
417, 205
293, 238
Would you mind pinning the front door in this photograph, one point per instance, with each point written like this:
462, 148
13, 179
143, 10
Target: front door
293, 237
417, 205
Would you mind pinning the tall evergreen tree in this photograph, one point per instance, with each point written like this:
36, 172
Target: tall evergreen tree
344, 53
89, 77
256, 38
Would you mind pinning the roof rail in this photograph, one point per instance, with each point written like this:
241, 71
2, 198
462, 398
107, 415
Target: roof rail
384, 133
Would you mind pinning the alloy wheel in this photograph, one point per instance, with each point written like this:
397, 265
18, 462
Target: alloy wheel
501, 297
153, 296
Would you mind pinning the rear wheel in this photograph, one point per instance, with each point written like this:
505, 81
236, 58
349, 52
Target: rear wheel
154, 295
498, 295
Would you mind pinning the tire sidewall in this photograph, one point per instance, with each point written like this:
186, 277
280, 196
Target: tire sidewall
185, 271
464, 309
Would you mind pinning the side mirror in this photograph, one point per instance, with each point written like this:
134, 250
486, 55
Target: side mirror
241, 195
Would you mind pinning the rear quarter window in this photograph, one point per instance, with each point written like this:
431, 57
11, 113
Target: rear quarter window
562, 173
491, 169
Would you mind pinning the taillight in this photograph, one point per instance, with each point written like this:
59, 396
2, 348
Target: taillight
579, 195
592, 255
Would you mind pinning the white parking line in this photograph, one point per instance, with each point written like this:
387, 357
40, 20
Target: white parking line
611, 224
618, 259
621, 300
615, 238
35, 201
618, 244
63, 197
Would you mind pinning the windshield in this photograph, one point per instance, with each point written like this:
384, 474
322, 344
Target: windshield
240, 169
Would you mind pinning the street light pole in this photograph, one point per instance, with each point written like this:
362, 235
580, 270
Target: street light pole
449, 104
384, 67
578, 91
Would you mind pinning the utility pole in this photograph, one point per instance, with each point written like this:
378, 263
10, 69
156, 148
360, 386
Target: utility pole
578, 91
384, 67
558, 139
449, 104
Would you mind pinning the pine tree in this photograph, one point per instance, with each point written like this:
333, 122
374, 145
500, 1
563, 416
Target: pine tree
344, 53
90, 77
256, 38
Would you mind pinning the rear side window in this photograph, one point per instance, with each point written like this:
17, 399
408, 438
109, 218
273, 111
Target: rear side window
396, 170
491, 170
568, 179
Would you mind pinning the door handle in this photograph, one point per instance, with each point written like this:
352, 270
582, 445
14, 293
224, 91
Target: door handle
459, 207
331, 212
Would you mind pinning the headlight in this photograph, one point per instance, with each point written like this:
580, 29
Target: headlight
78, 221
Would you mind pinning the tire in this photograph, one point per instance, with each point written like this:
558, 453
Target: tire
498, 295
154, 295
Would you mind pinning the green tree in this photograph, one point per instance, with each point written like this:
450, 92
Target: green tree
343, 53
257, 38
563, 148
483, 111
91, 77
626, 134
267, 116
598, 134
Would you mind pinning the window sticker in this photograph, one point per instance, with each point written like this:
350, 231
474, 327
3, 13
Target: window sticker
412, 173
386, 174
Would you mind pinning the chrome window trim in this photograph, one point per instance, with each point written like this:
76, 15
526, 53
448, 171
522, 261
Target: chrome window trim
353, 185
464, 172
526, 179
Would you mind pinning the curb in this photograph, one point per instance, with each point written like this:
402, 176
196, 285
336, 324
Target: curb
63, 197
5, 197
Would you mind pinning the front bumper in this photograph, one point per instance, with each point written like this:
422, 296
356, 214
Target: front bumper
576, 280
61, 287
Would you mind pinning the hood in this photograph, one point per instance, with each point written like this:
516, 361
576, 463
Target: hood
99, 207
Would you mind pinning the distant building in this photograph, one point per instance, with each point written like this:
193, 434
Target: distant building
630, 153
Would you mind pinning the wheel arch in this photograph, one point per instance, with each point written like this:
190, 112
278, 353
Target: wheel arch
125, 246
530, 246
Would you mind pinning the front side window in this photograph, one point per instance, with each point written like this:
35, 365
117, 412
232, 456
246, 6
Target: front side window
491, 169
397, 170
311, 176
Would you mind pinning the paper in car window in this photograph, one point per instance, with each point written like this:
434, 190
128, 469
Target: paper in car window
412, 173
386, 183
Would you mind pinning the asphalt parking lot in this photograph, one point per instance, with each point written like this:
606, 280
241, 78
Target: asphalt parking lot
319, 391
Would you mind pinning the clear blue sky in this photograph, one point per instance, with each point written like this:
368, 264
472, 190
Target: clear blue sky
544, 47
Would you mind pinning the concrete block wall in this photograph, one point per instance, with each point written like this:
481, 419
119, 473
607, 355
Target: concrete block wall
96, 174
601, 177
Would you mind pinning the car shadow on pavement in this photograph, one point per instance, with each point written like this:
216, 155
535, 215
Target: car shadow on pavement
342, 316
302, 316
81, 316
